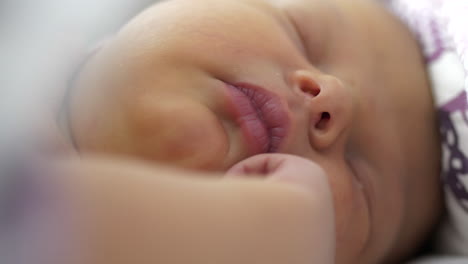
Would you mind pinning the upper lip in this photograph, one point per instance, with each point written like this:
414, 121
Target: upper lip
261, 115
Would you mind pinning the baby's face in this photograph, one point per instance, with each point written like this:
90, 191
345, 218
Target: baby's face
204, 84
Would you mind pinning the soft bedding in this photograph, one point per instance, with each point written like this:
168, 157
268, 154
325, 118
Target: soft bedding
441, 260
442, 28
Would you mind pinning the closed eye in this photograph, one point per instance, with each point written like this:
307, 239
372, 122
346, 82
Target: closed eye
297, 32
313, 33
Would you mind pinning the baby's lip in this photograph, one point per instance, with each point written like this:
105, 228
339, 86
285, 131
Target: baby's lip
261, 115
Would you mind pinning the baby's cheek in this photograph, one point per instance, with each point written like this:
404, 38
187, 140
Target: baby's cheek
182, 133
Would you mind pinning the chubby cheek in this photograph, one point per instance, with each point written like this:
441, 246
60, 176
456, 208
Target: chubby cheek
182, 133
351, 216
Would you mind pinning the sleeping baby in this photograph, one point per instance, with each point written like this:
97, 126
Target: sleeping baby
206, 84
223, 86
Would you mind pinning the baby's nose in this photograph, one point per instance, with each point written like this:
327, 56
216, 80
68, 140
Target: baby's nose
329, 106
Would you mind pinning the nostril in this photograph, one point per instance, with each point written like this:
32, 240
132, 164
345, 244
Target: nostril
324, 119
311, 89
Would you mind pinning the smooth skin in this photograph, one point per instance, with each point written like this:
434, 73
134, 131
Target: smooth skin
100, 211
155, 92
82, 208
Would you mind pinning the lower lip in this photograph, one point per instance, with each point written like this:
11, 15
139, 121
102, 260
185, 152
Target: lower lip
261, 116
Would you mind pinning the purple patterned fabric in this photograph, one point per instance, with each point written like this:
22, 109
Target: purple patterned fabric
441, 26
438, 44
457, 161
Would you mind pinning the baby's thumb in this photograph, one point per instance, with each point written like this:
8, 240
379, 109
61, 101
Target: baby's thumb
283, 168
257, 166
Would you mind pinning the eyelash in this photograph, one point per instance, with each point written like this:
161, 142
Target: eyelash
314, 55
297, 31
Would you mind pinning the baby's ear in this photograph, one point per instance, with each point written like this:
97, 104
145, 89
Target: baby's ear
98, 45
87, 54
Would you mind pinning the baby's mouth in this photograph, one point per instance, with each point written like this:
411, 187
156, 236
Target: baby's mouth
261, 115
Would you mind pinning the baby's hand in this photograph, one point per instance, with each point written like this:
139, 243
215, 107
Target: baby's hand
284, 168
304, 175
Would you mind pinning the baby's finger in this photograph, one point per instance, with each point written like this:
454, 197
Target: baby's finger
283, 168
260, 165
